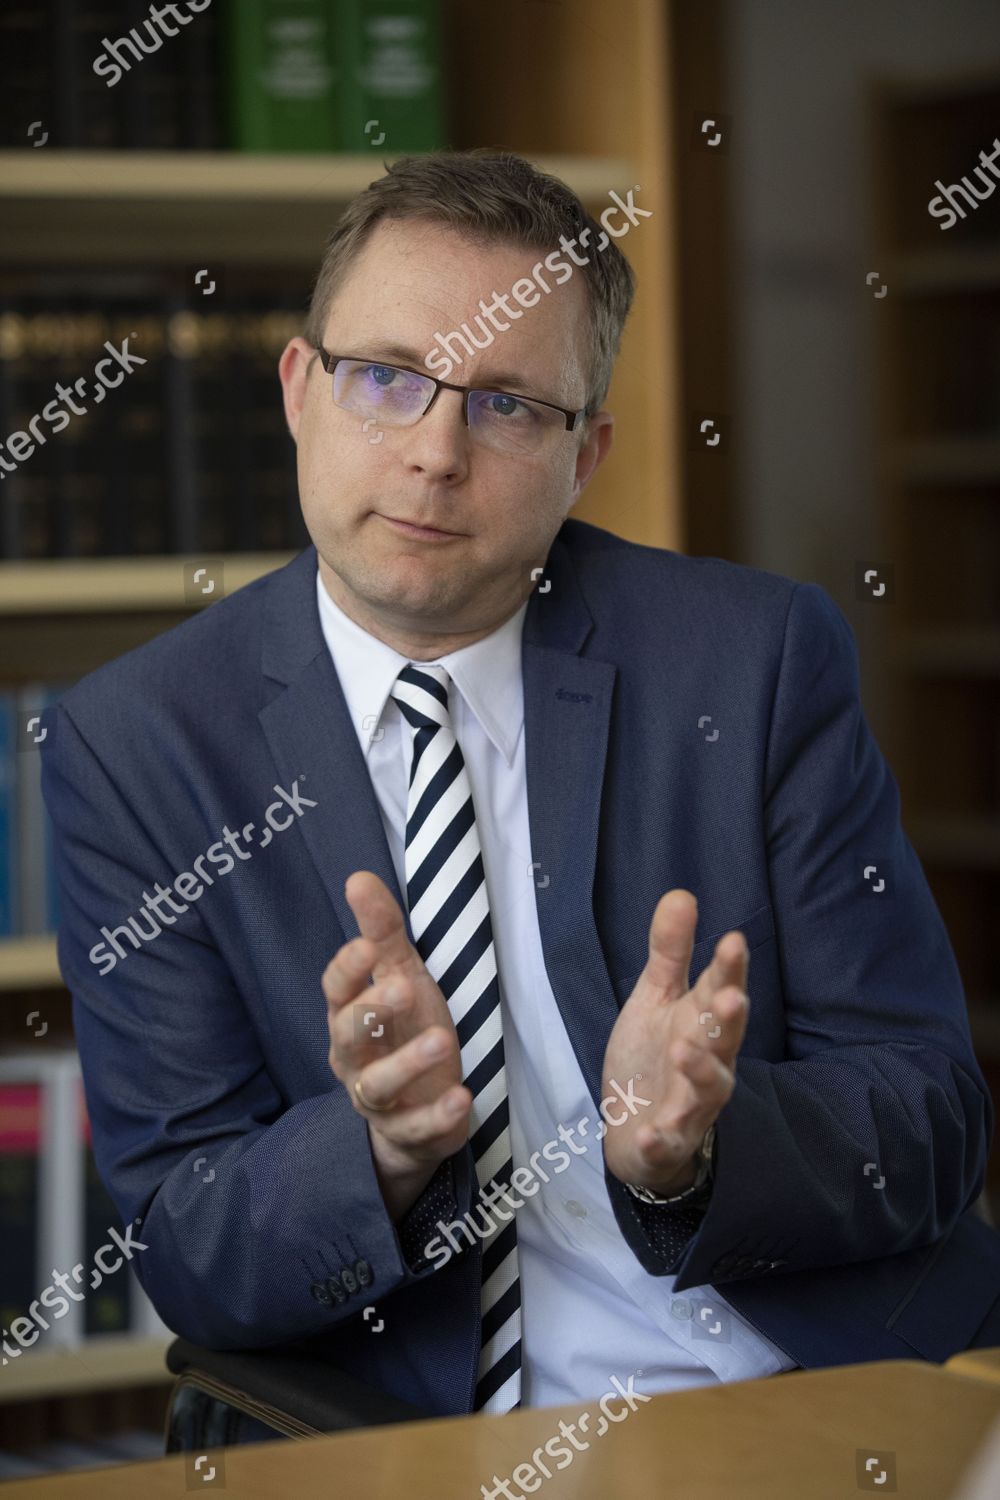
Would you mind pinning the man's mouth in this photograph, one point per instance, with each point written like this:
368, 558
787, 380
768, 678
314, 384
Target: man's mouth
414, 529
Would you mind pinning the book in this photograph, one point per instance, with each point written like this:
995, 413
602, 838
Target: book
41, 1188
36, 899
104, 75
189, 453
283, 75
393, 99
8, 815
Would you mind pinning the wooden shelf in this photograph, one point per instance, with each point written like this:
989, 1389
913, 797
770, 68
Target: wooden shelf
111, 585
236, 176
105, 1364
29, 963
115, 206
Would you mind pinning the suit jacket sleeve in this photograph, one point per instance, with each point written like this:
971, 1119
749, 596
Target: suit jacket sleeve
246, 1205
870, 1136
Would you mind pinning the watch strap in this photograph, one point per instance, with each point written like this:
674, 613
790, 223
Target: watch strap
696, 1189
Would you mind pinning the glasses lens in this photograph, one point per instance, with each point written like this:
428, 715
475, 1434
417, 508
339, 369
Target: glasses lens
396, 397
511, 424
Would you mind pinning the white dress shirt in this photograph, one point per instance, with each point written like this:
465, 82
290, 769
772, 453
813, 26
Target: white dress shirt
588, 1309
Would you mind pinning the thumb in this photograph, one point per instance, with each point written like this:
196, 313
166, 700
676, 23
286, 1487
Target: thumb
671, 941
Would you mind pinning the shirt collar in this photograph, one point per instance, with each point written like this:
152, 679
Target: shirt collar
487, 673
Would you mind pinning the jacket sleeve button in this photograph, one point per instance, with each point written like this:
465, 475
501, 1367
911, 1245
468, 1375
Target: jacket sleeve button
363, 1272
320, 1292
335, 1290
349, 1280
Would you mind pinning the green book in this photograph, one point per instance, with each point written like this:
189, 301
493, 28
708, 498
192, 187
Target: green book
284, 82
392, 100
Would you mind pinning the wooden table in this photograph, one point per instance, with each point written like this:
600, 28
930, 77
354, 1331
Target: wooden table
805, 1435
982, 1364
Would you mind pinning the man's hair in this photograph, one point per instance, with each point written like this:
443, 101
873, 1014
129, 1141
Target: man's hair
489, 197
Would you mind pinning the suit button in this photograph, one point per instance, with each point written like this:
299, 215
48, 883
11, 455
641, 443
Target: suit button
363, 1272
320, 1292
349, 1280
336, 1291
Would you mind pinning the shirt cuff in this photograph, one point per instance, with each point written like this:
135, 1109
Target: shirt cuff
669, 1227
420, 1222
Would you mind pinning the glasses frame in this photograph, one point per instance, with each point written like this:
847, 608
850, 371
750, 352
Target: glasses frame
330, 362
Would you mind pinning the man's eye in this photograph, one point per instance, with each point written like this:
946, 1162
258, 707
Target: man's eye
382, 374
497, 405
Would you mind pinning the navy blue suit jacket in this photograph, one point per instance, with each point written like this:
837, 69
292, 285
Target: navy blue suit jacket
689, 722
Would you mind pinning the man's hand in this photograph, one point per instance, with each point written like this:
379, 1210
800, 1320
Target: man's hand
417, 1077
687, 1070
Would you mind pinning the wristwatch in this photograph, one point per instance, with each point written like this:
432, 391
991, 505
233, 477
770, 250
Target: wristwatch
703, 1175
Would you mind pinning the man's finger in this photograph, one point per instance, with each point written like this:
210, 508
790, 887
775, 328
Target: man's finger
385, 1080
666, 1140
671, 939
730, 963
424, 1124
348, 971
348, 1028
381, 920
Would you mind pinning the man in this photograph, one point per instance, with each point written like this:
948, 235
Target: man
560, 981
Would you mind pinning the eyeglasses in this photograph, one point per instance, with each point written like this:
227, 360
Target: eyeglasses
395, 396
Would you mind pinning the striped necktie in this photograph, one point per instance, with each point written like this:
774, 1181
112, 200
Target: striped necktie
450, 920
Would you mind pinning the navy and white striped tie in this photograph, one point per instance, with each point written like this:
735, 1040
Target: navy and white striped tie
450, 919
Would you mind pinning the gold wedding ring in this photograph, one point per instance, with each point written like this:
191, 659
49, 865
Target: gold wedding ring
376, 1108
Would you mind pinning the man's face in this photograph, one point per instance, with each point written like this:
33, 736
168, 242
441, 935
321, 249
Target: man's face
411, 281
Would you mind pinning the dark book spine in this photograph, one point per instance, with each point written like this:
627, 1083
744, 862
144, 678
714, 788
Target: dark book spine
93, 32
107, 1308
28, 96
35, 387
183, 474
151, 87
137, 411
11, 356
201, 83
20, 1145
62, 40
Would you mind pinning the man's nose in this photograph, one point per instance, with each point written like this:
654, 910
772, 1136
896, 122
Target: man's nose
440, 440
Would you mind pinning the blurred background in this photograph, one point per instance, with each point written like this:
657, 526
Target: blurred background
810, 384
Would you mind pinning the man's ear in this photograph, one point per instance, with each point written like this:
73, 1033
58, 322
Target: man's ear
593, 450
293, 368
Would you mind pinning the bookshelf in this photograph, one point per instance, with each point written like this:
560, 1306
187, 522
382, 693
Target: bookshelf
938, 446
589, 103
107, 1363
28, 963
118, 584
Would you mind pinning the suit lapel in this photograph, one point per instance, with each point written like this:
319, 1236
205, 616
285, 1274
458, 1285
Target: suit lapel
567, 717
567, 711
308, 728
